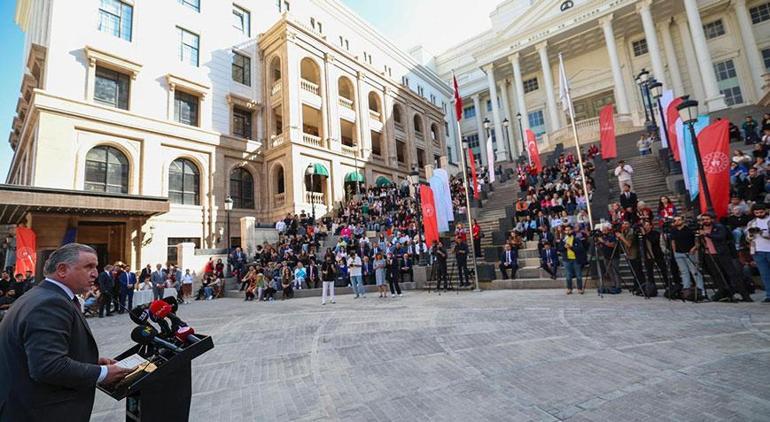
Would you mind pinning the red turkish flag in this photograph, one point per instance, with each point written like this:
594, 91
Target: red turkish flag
607, 132
458, 99
534, 156
672, 114
474, 177
429, 222
714, 144
26, 250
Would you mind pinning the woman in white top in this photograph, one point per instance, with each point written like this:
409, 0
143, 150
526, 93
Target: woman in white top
187, 282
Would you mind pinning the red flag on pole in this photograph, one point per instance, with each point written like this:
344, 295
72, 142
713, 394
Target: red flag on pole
714, 144
607, 132
474, 178
458, 99
429, 221
672, 114
534, 156
26, 250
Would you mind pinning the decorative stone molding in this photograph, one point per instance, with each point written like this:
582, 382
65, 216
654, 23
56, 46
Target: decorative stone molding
112, 61
175, 81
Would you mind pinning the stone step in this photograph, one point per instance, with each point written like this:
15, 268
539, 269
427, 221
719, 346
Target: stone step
338, 291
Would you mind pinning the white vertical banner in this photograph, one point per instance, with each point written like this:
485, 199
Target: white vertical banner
665, 101
490, 160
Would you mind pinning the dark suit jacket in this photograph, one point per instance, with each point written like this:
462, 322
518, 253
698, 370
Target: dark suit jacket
106, 282
48, 359
577, 247
514, 257
554, 257
629, 202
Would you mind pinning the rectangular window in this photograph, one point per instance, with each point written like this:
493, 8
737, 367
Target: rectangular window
185, 108
469, 112
173, 241
111, 88
489, 106
473, 140
400, 151
189, 45
639, 47
766, 58
192, 4
760, 13
531, 85
242, 20
115, 17
376, 143
727, 79
432, 99
242, 123
241, 69
536, 122
714, 29
405, 81
420, 158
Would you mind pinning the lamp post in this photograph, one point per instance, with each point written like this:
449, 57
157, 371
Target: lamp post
228, 208
521, 133
641, 79
657, 92
414, 179
688, 112
506, 125
311, 172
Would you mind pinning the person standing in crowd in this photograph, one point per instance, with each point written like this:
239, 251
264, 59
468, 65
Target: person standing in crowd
574, 257
477, 235
610, 254
719, 251
440, 256
628, 199
393, 274
187, 283
356, 275
653, 253
759, 236
749, 128
624, 173
630, 245
106, 284
686, 255
644, 144
286, 283
461, 256
127, 281
328, 276
549, 260
509, 261
158, 280
379, 274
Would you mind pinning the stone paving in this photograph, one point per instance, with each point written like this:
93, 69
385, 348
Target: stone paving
496, 355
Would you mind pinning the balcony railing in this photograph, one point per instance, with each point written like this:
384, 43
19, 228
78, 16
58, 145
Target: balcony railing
344, 102
276, 140
375, 115
313, 140
315, 198
349, 150
276, 88
309, 87
279, 199
588, 130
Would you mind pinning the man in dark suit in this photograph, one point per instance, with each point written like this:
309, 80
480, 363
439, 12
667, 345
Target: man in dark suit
158, 279
549, 260
49, 362
509, 261
106, 285
127, 281
628, 199
461, 256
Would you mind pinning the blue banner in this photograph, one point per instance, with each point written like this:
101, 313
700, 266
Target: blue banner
689, 162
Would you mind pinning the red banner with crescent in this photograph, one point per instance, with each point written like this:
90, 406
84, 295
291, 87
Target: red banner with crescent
534, 155
26, 250
474, 176
714, 144
607, 132
429, 220
672, 115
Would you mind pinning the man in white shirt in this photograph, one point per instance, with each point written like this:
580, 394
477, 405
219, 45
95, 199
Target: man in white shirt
760, 245
624, 172
356, 278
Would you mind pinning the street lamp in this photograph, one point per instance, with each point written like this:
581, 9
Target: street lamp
228, 208
414, 179
657, 92
688, 112
521, 133
641, 79
506, 125
311, 172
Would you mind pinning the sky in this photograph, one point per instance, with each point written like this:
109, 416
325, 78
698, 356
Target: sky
434, 24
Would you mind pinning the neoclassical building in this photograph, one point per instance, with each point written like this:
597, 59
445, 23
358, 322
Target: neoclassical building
137, 119
716, 51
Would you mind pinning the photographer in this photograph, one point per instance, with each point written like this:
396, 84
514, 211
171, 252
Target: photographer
719, 250
653, 253
607, 242
759, 237
439, 262
686, 254
630, 244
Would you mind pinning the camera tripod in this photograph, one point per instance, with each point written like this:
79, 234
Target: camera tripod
434, 272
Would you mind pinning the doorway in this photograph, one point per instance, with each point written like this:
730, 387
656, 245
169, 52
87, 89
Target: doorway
107, 238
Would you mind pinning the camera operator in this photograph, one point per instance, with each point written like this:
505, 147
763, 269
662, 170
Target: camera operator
719, 249
686, 254
439, 262
759, 237
607, 242
653, 253
628, 238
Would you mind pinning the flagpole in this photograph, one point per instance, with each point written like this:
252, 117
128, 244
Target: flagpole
465, 184
577, 144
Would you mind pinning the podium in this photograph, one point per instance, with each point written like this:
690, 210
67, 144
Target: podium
164, 394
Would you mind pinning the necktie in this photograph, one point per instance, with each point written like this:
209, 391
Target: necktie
76, 303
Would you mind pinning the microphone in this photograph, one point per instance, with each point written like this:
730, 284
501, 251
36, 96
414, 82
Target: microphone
158, 311
186, 334
147, 335
140, 315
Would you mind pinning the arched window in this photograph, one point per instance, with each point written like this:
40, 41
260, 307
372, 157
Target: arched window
434, 134
279, 184
397, 113
275, 70
106, 170
242, 188
184, 182
374, 102
417, 123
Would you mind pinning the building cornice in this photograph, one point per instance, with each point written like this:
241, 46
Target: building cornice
23, 8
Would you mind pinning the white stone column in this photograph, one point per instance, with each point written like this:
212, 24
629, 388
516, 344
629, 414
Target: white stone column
658, 71
501, 154
714, 99
756, 65
689, 55
520, 102
365, 140
621, 100
331, 101
510, 146
550, 96
480, 128
671, 60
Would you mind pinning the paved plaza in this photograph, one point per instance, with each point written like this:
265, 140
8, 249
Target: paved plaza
495, 355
